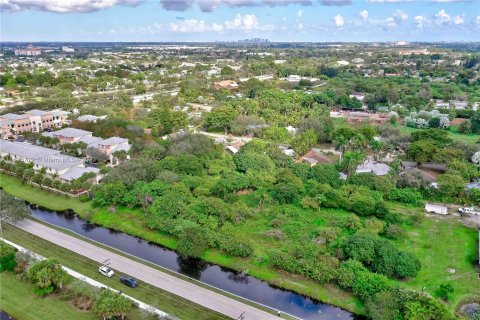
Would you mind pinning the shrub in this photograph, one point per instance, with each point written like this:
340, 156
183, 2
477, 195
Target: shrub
84, 197
393, 231
363, 204
381, 256
445, 291
285, 193
347, 273
236, 247
407, 195
7, 257
407, 265
368, 284
192, 241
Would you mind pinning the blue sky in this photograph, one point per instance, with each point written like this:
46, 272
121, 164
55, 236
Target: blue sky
218, 20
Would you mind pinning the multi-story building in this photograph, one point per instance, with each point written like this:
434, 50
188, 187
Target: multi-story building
19, 123
28, 51
32, 121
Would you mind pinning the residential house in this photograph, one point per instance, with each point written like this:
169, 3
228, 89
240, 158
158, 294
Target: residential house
90, 118
235, 146
69, 135
376, 168
313, 158
111, 145
358, 95
226, 84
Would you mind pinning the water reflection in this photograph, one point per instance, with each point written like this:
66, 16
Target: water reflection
191, 267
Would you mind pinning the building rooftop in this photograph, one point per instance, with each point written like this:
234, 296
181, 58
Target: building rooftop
26, 150
112, 141
13, 116
58, 162
71, 133
87, 117
36, 112
77, 172
378, 169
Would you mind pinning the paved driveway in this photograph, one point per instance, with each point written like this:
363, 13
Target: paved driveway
207, 298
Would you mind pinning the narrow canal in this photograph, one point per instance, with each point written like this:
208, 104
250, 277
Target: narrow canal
222, 278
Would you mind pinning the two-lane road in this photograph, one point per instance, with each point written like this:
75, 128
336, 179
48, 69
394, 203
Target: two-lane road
207, 298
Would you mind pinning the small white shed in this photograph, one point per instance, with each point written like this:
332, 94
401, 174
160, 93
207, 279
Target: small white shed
433, 208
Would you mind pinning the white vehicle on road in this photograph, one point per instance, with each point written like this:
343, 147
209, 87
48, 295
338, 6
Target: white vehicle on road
106, 271
469, 211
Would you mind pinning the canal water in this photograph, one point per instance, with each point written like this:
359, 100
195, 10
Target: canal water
222, 278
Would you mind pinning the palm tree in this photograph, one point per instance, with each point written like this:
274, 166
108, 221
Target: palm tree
351, 160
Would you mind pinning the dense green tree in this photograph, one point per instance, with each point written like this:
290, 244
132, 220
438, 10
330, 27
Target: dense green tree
47, 275
220, 118
7, 257
110, 304
192, 241
303, 142
12, 209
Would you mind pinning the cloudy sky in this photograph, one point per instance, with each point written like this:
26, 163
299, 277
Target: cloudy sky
217, 20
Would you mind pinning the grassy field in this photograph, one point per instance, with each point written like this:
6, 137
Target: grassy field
41, 197
452, 132
443, 243
144, 292
18, 300
439, 243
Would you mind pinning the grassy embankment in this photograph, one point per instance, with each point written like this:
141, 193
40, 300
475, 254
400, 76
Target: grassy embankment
440, 244
18, 299
161, 299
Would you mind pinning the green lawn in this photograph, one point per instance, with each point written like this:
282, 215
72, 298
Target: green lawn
18, 300
41, 197
444, 243
452, 132
144, 292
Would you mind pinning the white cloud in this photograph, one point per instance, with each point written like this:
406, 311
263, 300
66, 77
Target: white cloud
65, 6
442, 17
400, 14
363, 14
458, 20
246, 23
477, 21
299, 13
189, 25
300, 26
420, 21
339, 20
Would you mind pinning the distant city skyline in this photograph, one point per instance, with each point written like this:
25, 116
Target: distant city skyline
232, 20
